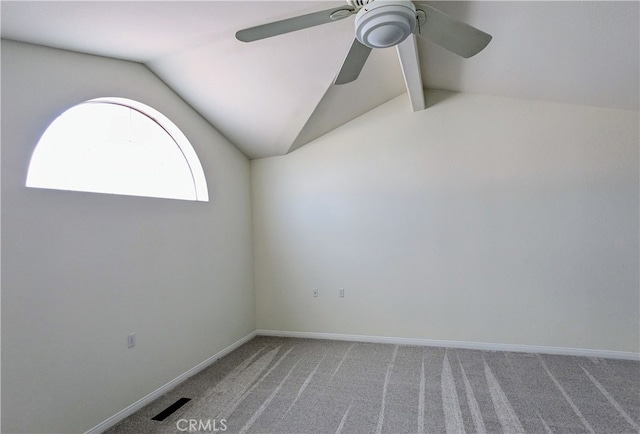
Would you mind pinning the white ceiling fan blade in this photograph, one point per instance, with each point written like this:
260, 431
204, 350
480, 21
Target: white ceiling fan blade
447, 32
410, 64
353, 63
292, 24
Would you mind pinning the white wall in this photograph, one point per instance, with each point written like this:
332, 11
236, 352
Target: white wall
80, 271
481, 219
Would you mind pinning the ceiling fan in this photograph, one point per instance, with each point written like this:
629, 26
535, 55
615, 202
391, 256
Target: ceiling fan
382, 24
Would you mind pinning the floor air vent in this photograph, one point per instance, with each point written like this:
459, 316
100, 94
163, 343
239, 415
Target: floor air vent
171, 409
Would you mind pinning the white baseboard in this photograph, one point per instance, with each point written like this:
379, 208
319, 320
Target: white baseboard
457, 344
122, 414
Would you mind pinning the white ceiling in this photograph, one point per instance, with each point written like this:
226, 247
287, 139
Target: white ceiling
274, 95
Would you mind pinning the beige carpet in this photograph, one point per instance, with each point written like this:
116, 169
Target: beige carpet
280, 385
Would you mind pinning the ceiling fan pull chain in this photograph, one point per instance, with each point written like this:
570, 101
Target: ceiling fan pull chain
421, 18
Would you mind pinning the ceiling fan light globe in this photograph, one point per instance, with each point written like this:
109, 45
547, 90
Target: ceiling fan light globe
383, 36
385, 24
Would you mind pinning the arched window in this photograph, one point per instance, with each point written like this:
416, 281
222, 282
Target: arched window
117, 146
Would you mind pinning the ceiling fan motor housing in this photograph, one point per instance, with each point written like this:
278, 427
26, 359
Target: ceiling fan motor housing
358, 3
383, 23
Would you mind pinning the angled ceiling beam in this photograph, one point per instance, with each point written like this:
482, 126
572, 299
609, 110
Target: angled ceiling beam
410, 64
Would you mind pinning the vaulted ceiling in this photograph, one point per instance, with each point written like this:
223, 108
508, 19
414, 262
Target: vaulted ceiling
271, 96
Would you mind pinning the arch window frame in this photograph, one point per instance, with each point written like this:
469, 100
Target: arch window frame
168, 128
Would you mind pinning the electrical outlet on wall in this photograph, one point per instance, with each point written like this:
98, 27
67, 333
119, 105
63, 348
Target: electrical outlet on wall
315, 292
341, 292
131, 340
